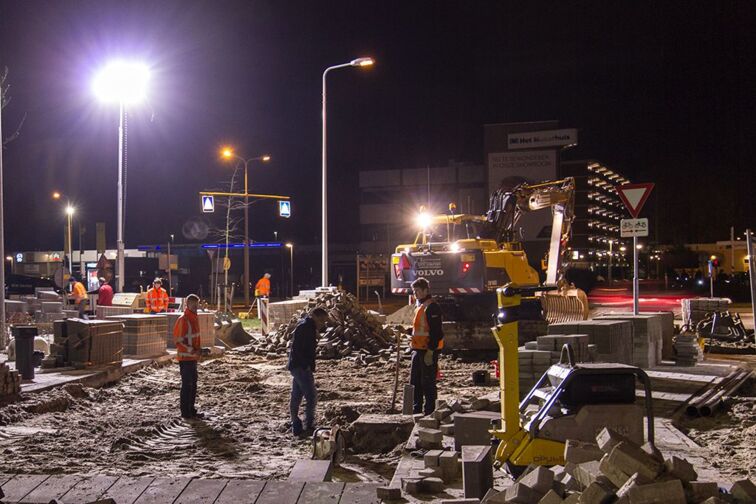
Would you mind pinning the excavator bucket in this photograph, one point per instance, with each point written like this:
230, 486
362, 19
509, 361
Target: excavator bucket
565, 305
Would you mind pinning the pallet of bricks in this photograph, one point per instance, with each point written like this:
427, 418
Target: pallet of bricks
104, 312
206, 320
90, 342
695, 310
10, 384
143, 335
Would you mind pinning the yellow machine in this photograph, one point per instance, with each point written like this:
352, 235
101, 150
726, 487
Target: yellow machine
488, 254
570, 401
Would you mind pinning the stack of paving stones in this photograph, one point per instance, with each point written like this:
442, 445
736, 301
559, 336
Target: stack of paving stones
91, 342
613, 338
535, 357
351, 332
103, 312
532, 365
647, 337
695, 310
687, 350
615, 470
49, 311
143, 335
10, 384
44, 306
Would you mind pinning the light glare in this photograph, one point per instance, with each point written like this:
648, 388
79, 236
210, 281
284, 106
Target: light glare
70, 210
122, 81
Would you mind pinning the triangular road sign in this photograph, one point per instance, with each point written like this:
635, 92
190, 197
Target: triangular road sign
634, 196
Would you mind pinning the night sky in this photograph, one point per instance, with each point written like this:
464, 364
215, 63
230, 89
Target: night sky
661, 91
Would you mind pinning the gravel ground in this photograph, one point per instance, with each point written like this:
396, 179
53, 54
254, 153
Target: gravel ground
730, 435
133, 427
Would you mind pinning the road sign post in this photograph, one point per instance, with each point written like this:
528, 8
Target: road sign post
751, 272
634, 196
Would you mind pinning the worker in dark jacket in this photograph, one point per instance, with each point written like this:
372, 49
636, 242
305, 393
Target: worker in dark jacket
302, 366
427, 340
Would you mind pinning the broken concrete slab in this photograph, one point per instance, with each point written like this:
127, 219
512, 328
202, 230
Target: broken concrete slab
578, 452
311, 471
377, 433
477, 470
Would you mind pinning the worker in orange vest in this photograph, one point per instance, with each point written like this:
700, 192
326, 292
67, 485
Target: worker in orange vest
157, 298
262, 287
80, 297
427, 340
186, 334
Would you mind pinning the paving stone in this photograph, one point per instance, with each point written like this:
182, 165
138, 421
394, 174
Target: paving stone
411, 485
494, 497
578, 452
432, 485
596, 493
667, 492
408, 399
587, 472
428, 422
480, 404
472, 428
126, 490
380, 433
551, 497
429, 472
449, 463
356, 493
477, 470
388, 493
430, 459
540, 479
630, 459
456, 406
699, 491
442, 413
447, 429
608, 439
322, 492
200, 491
744, 490
714, 500
617, 477
459, 501
681, 469
311, 470
573, 498
652, 450
430, 435
522, 494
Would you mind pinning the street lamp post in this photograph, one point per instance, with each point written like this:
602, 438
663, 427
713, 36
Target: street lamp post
359, 62
228, 153
69, 215
126, 83
290, 246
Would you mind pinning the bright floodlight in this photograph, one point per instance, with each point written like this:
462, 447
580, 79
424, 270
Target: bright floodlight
122, 81
56, 195
423, 220
362, 62
70, 210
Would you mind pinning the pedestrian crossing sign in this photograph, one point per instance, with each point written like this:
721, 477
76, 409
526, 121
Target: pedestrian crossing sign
284, 208
208, 204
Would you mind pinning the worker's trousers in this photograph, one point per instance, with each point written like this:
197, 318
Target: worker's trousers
423, 378
188, 387
302, 385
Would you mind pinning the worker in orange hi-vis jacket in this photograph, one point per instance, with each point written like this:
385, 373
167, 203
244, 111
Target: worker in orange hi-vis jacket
157, 298
186, 334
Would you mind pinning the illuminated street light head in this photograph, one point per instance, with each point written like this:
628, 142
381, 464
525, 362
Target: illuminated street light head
122, 81
289, 245
362, 62
56, 195
70, 210
227, 152
265, 158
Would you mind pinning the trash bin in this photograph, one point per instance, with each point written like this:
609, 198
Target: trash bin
23, 336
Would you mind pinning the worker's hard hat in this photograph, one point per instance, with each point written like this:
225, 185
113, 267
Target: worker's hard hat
157, 280
194, 297
267, 275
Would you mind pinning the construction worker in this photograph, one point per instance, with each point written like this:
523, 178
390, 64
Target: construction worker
427, 340
79, 295
157, 298
104, 293
186, 334
262, 287
302, 366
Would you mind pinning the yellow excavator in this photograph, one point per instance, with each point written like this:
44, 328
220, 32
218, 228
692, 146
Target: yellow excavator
479, 253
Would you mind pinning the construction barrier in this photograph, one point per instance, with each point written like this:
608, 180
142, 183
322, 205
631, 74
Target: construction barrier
262, 312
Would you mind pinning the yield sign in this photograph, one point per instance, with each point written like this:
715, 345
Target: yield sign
634, 196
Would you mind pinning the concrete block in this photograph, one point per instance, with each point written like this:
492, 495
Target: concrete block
430, 435
432, 485
681, 469
459, 501
430, 459
449, 464
428, 422
551, 497
472, 428
573, 498
540, 479
447, 429
442, 413
494, 497
744, 490
596, 493
388, 493
578, 452
617, 477
477, 470
522, 494
378, 433
311, 471
630, 459
411, 485
699, 491
587, 472
429, 472
608, 439
570, 483
456, 406
666, 492
480, 404
652, 450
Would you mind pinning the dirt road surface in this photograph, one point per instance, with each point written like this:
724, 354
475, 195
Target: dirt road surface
133, 427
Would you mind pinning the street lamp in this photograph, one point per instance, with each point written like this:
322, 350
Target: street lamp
290, 246
228, 153
69, 215
124, 82
359, 62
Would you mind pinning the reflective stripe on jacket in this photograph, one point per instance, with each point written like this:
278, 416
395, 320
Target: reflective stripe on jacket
421, 328
157, 300
187, 337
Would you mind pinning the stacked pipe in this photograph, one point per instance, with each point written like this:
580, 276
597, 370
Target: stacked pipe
708, 402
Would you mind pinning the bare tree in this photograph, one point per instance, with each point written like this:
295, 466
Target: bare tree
5, 100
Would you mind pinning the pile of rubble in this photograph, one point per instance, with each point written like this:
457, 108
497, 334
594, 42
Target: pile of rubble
10, 384
351, 331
